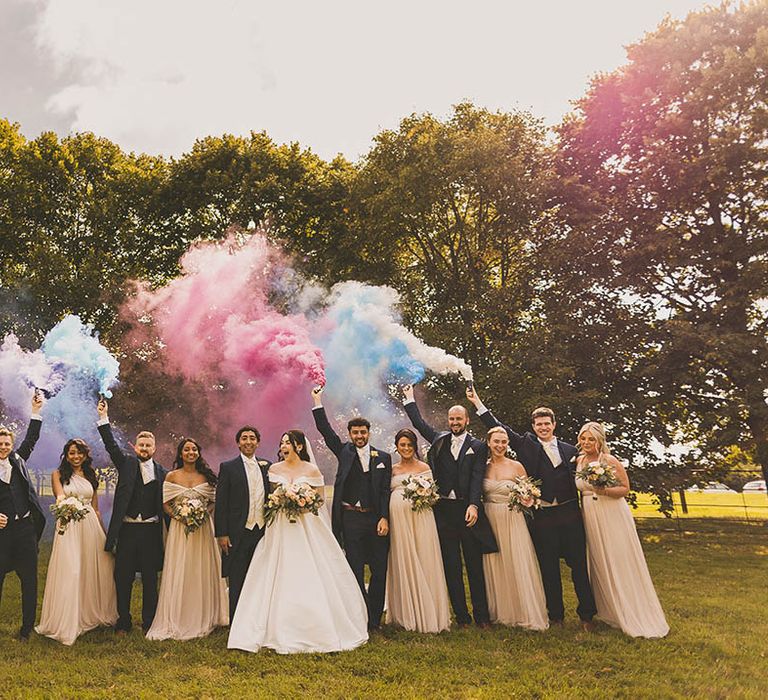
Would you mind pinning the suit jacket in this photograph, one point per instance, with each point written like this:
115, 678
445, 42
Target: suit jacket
532, 454
346, 453
19, 458
233, 502
472, 461
128, 470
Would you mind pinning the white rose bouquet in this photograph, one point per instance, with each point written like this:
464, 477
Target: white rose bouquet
190, 512
294, 500
598, 473
421, 491
68, 509
524, 495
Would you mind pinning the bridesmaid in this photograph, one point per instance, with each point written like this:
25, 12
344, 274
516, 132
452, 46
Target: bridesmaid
624, 592
417, 597
79, 587
193, 597
512, 576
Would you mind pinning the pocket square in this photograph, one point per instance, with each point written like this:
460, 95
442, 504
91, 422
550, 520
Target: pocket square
381, 466
470, 451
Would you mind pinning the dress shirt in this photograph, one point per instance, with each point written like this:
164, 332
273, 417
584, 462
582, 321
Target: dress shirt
364, 453
552, 452
255, 493
5, 470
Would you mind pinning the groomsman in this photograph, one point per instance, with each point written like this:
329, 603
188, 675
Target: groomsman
135, 533
239, 515
557, 530
22, 520
458, 463
360, 512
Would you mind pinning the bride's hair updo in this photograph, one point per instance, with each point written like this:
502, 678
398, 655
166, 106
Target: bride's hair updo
65, 468
299, 443
409, 435
493, 431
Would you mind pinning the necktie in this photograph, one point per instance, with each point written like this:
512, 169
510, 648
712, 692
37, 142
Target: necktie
455, 446
256, 492
147, 471
5, 470
553, 453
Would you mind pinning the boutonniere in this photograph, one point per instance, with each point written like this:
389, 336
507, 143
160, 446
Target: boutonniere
263, 462
374, 453
573, 459
470, 451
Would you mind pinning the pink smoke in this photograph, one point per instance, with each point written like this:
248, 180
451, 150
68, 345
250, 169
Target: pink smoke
237, 357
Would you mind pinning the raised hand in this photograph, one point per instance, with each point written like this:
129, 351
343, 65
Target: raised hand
103, 408
316, 393
37, 402
472, 395
408, 392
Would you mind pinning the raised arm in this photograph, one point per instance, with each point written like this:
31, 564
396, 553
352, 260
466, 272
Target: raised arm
33, 429
321, 422
490, 421
118, 457
412, 410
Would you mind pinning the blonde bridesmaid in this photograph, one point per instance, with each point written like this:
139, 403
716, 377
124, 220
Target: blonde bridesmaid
623, 589
193, 597
417, 597
79, 587
512, 576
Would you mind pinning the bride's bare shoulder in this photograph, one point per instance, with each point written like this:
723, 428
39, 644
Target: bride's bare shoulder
311, 470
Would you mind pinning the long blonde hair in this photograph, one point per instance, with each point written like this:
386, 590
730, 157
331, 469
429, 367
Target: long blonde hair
597, 431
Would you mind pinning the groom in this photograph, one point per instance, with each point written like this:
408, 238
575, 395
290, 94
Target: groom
360, 513
557, 529
458, 464
239, 515
135, 532
22, 520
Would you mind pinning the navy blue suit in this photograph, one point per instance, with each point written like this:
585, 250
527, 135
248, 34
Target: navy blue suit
19, 538
557, 531
231, 513
455, 536
137, 547
356, 531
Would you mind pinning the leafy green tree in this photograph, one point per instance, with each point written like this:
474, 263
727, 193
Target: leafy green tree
664, 195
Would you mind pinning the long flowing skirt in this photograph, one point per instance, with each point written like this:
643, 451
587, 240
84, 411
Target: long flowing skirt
79, 587
512, 576
622, 585
299, 593
417, 597
193, 596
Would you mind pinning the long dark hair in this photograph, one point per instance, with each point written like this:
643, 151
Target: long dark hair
65, 468
201, 466
296, 438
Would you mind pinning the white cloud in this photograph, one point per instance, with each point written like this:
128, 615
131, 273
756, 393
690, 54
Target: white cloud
155, 75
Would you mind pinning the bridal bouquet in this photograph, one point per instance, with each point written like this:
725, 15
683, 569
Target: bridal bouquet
67, 509
598, 473
524, 495
294, 500
421, 491
191, 513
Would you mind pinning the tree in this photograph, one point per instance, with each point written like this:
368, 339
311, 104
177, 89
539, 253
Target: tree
663, 166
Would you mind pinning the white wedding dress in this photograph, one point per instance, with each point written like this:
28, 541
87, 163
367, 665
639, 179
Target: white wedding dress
299, 595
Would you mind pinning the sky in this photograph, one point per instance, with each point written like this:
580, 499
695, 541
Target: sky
154, 75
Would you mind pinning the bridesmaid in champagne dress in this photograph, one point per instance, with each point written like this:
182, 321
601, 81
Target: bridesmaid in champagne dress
193, 596
79, 587
417, 597
623, 589
512, 576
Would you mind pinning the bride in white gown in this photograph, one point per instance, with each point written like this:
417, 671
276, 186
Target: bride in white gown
299, 593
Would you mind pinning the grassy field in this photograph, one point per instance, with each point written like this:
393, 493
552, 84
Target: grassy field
711, 580
751, 506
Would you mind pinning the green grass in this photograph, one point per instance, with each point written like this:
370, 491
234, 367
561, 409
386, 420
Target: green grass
750, 506
711, 581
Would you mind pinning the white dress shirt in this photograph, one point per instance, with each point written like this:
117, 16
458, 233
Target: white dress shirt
364, 453
552, 452
5, 470
255, 493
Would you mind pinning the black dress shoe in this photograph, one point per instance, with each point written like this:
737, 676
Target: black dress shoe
23, 635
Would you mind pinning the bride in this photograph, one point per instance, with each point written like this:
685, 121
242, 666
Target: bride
299, 593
